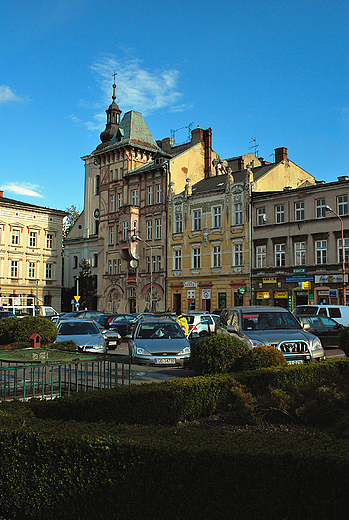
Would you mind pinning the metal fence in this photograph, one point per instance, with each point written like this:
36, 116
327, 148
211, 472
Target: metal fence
50, 380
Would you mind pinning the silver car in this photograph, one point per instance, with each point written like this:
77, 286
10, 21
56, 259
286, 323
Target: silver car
85, 333
159, 342
256, 326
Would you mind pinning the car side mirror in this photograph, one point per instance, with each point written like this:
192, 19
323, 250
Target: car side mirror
232, 328
306, 326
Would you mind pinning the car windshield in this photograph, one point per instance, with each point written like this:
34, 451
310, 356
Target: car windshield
71, 329
269, 321
306, 309
160, 331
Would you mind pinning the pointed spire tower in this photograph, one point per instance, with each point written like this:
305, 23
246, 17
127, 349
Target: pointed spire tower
113, 119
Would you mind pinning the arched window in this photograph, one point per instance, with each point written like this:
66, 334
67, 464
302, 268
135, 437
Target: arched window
75, 262
95, 260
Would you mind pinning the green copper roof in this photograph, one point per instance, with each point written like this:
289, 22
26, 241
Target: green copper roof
133, 130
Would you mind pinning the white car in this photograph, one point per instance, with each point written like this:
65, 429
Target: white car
194, 319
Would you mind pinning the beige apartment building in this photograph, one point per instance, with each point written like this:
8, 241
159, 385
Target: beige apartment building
297, 244
30, 252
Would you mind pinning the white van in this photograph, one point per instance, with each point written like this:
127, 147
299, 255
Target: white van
339, 313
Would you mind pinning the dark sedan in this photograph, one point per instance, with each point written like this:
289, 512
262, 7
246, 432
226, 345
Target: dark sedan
327, 329
121, 323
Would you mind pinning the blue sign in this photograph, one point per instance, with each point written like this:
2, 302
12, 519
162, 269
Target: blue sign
77, 305
306, 278
72, 301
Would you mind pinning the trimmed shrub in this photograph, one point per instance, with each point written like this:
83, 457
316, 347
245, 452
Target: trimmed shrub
19, 330
217, 354
344, 341
68, 344
262, 357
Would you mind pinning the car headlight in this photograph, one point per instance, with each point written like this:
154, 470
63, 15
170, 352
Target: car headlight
99, 346
142, 351
255, 343
316, 344
185, 351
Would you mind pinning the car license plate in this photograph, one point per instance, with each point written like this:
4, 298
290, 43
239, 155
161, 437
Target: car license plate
295, 361
165, 361
112, 342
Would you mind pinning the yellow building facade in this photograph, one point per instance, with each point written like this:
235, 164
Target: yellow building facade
30, 253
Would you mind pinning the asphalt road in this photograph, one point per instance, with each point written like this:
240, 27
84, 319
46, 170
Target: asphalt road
144, 374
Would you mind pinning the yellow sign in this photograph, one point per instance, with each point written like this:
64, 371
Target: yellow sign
76, 298
306, 285
263, 295
280, 294
269, 280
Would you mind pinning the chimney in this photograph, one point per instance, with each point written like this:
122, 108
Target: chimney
207, 138
241, 163
280, 154
1, 194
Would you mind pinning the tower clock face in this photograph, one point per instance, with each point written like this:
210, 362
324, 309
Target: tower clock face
96, 213
133, 263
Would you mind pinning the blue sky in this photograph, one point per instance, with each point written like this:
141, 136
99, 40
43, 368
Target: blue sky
275, 72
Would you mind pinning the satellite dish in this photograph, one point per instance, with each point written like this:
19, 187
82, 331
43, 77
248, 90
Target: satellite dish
133, 263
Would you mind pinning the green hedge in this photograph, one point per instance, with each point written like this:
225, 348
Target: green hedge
217, 354
18, 330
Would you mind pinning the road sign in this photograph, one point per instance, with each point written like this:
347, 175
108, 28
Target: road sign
76, 298
77, 305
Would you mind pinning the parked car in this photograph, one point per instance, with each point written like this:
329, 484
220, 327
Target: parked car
340, 313
159, 341
7, 314
121, 323
193, 319
82, 315
256, 326
327, 329
85, 333
112, 337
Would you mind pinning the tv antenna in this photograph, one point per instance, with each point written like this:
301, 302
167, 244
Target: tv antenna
254, 146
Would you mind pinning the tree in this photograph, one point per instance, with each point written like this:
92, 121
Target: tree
87, 285
71, 218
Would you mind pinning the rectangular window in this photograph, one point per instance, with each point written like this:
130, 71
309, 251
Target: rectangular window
216, 256
154, 264
261, 256
119, 200
342, 205
110, 271
177, 259
97, 185
217, 217
119, 266
15, 237
115, 174
49, 271
14, 269
31, 271
149, 230
114, 267
261, 217
279, 214
321, 251
320, 211
158, 193
150, 195
238, 255
178, 223
197, 220
134, 198
299, 211
125, 231
147, 264
112, 203
196, 258
32, 239
299, 253
280, 255
238, 214
121, 173
49, 241
111, 235
159, 263
158, 228
340, 250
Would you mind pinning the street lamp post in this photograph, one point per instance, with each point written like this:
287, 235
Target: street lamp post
328, 208
137, 238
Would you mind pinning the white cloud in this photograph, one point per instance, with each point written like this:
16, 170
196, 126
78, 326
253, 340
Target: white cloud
29, 190
6, 94
137, 89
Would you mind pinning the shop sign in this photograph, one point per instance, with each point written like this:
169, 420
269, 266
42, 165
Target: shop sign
241, 290
131, 279
280, 294
323, 293
263, 295
306, 285
190, 284
305, 278
298, 270
269, 280
328, 278
333, 293
206, 294
191, 294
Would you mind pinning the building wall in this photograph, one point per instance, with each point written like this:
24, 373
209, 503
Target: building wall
311, 269
30, 252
